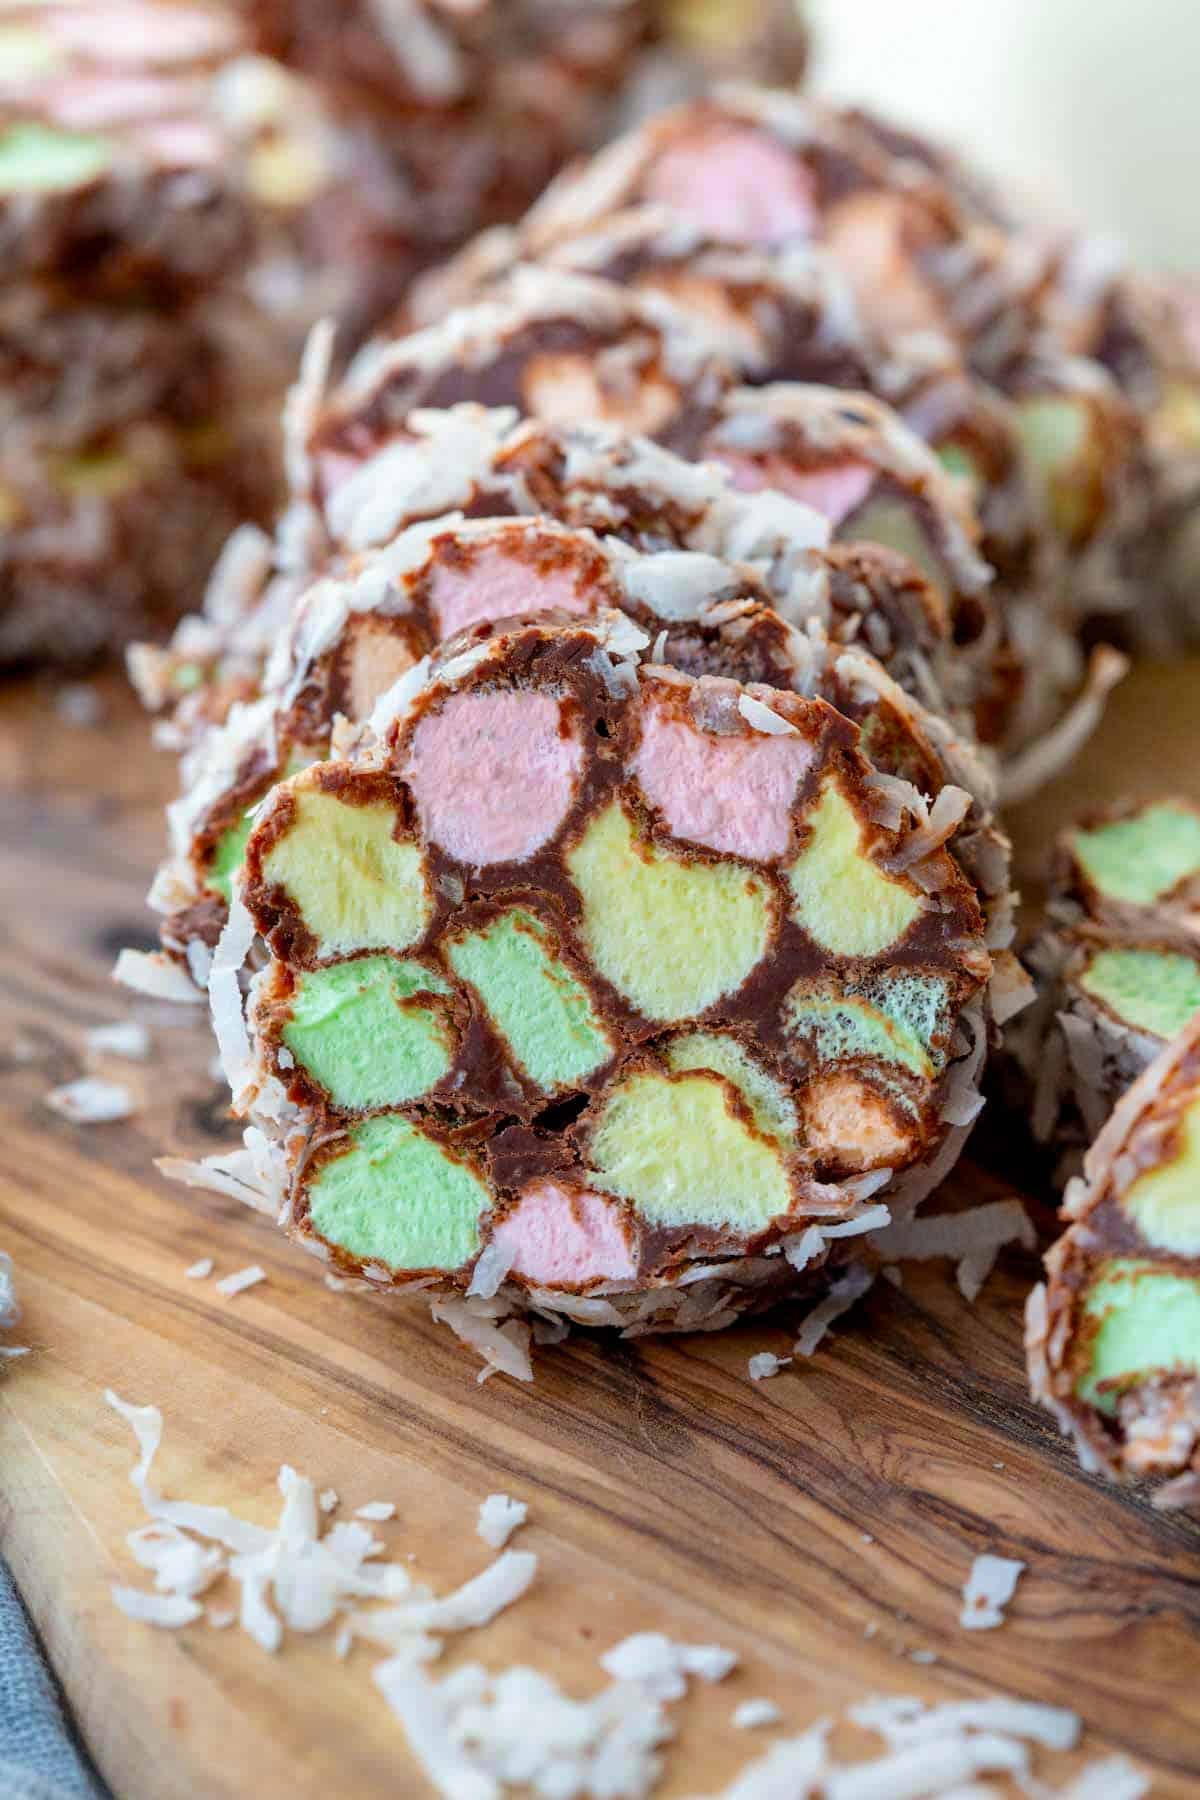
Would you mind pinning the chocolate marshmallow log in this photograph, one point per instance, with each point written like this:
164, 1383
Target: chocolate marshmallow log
1113, 1335
604, 974
741, 585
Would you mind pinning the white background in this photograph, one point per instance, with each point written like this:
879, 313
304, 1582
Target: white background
1092, 104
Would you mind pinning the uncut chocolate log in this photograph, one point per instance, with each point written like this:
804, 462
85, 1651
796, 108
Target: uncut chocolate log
724, 582
560, 347
603, 973
137, 377
1117, 963
1113, 1336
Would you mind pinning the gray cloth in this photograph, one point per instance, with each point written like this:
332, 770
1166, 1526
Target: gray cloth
41, 1756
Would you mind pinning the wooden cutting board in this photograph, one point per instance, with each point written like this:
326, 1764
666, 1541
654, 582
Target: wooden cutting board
821, 1523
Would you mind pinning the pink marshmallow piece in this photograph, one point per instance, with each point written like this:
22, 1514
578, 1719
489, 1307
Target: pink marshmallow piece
834, 491
728, 793
560, 1235
493, 774
736, 184
497, 585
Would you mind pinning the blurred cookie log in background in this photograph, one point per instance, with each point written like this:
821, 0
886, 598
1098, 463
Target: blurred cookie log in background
140, 380
177, 208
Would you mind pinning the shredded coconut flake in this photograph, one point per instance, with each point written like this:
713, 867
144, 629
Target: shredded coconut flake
377, 1510
659, 1667
765, 1363
123, 1038
171, 1610
751, 1714
989, 1587
151, 972
90, 1101
504, 1347
761, 718
499, 1517
973, 1238
841, 1297
200, 1271
237, 1283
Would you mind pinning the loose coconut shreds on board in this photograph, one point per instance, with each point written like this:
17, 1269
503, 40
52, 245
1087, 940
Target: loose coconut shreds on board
989, 1588
90, 1101
478, 1735
199, 1271
934, 1753
499, 1517
376, 1510
293, 1576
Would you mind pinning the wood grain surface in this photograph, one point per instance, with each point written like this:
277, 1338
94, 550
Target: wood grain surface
821, 1523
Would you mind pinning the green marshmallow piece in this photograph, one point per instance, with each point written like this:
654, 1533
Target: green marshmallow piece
1141, 858
768, 1100
891, 524
1152, 990
355, 887
676, 1149
960, 463
671, 936
38, 159
892, 1022
544, 1014
359, 1030
1054, 432
229, 855
398, 1198
1149, 1324
839, 895
1164, 1202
